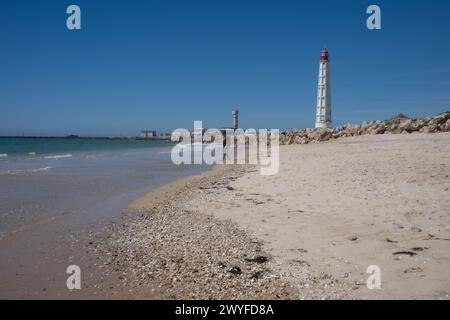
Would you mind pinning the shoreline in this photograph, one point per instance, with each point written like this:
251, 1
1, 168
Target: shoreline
170, 252
311, 253
309, 232
38, 243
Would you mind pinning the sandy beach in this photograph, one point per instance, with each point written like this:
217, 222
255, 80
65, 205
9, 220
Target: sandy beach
309, 232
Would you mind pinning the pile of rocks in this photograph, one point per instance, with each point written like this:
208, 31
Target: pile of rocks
398, 124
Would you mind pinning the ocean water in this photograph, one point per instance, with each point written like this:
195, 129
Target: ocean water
76, 180
54, 192
47, 146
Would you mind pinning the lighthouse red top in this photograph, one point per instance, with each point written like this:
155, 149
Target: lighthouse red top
324, 55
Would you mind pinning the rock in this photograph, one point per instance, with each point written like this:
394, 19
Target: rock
325, 135
353, 130
290, 139
235, 270
397, 125
447, 126
407, 126
337, 135
432, 128
377, 129
410, 270
260, 259
257, 275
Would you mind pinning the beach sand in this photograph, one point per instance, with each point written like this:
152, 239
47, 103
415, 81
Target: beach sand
334, 209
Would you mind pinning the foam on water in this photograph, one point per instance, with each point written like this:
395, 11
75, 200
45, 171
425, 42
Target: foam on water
23, 171
59, 156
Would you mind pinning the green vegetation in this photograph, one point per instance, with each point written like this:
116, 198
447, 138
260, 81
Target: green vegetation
443, 120
400, 116
395, 118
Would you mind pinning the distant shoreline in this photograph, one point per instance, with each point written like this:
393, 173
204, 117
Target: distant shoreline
83, 138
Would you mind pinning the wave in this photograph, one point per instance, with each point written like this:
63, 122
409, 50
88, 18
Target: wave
23, 171
32, 153
3, 155
38, 169
59, 156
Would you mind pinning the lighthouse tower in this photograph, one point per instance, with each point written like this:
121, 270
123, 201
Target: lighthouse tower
323, 110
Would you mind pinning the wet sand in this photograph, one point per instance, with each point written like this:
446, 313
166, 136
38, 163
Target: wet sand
55, 218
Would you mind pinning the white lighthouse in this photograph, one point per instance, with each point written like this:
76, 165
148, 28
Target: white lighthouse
323, 109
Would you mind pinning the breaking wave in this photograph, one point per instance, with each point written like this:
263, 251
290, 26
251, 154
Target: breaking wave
59, 156
23, 171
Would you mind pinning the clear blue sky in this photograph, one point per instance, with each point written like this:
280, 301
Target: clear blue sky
163, 64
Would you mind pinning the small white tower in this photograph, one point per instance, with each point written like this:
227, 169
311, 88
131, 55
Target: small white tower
235, 118
323, 110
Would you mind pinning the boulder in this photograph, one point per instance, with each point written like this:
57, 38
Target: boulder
378, 128
353, 130
431, 128
447, 126
407, 126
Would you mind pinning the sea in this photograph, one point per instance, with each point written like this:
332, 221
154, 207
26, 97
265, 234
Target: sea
48, 178
52, 184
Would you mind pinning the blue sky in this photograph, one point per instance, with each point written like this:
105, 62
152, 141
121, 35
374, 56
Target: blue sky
163, 64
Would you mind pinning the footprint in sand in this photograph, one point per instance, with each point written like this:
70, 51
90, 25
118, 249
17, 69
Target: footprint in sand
419, 249
295, 211
406, 253
413, 270
302, 263
391, 241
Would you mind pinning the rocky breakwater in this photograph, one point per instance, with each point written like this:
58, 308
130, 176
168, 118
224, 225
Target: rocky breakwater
397, 125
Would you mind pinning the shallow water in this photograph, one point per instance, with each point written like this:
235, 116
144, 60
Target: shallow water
50, 201
64, 181
18, 146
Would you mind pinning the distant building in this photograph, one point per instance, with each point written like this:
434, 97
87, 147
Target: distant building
148, 134
165, 136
